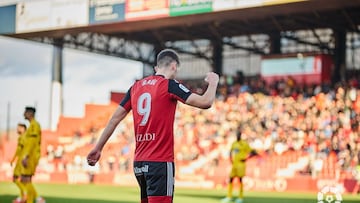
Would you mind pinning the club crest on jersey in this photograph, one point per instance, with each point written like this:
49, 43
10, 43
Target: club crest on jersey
185, 89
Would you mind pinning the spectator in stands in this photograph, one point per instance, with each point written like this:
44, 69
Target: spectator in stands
21, 128
153, 103
317, 165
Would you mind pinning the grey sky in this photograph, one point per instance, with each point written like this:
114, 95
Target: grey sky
25, 79
21, 66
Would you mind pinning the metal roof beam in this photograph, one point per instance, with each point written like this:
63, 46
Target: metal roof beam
350, 20
237, 46
321, 46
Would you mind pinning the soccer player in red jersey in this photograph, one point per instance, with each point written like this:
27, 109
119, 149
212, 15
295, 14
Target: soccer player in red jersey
153, 103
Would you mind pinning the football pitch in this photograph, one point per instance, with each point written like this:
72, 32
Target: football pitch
66, 193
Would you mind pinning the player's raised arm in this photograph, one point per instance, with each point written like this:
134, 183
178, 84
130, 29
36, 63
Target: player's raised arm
95, 153
206, 100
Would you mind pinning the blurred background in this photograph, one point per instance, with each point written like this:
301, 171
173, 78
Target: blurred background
289, 75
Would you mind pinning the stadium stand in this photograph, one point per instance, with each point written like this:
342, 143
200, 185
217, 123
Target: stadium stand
304, 134
300, 135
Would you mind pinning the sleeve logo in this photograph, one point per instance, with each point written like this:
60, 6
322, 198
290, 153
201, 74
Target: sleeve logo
185, 89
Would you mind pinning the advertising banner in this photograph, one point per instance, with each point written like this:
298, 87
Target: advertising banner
7, 19
45, 15
33, 16
186, 7
312, 69
146, 9
69, 13
219, 5
289, 66
273, 2
105, 11
248, 3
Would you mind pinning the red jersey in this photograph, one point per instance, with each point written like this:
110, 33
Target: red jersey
153, 103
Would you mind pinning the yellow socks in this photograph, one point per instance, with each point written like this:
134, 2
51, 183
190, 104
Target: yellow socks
31, 193
241, 190
230, 188
21, 187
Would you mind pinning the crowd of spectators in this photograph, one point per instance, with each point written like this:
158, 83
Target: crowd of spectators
319, 120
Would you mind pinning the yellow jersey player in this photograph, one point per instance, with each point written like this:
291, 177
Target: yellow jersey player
21, 128
240, 151
356, 172
31, 154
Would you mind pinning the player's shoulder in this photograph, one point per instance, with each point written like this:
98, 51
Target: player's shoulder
21, 137
34, 122
246, 143
235, 143
176, 84
37, 125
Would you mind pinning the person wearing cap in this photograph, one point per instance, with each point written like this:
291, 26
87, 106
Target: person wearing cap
30, 154
153, 102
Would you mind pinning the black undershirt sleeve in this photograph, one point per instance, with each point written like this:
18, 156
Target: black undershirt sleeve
126, 99
179, 90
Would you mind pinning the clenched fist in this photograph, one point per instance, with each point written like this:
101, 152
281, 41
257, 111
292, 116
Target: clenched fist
212, 78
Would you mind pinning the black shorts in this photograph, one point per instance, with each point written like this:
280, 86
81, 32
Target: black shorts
155, 178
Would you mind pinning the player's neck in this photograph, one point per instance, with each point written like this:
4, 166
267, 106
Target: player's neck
167, 76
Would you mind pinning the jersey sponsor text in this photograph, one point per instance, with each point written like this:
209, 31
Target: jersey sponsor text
145, 137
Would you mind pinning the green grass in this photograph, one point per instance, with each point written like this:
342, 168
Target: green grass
62, 193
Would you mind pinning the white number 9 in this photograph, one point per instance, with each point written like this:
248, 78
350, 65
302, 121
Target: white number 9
144, 107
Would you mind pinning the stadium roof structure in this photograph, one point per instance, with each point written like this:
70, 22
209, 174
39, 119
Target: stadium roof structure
277, 21
335, 14
141, 40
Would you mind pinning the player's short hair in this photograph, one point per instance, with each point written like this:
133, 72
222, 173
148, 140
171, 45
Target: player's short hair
30, 109
22, 125
166, 56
